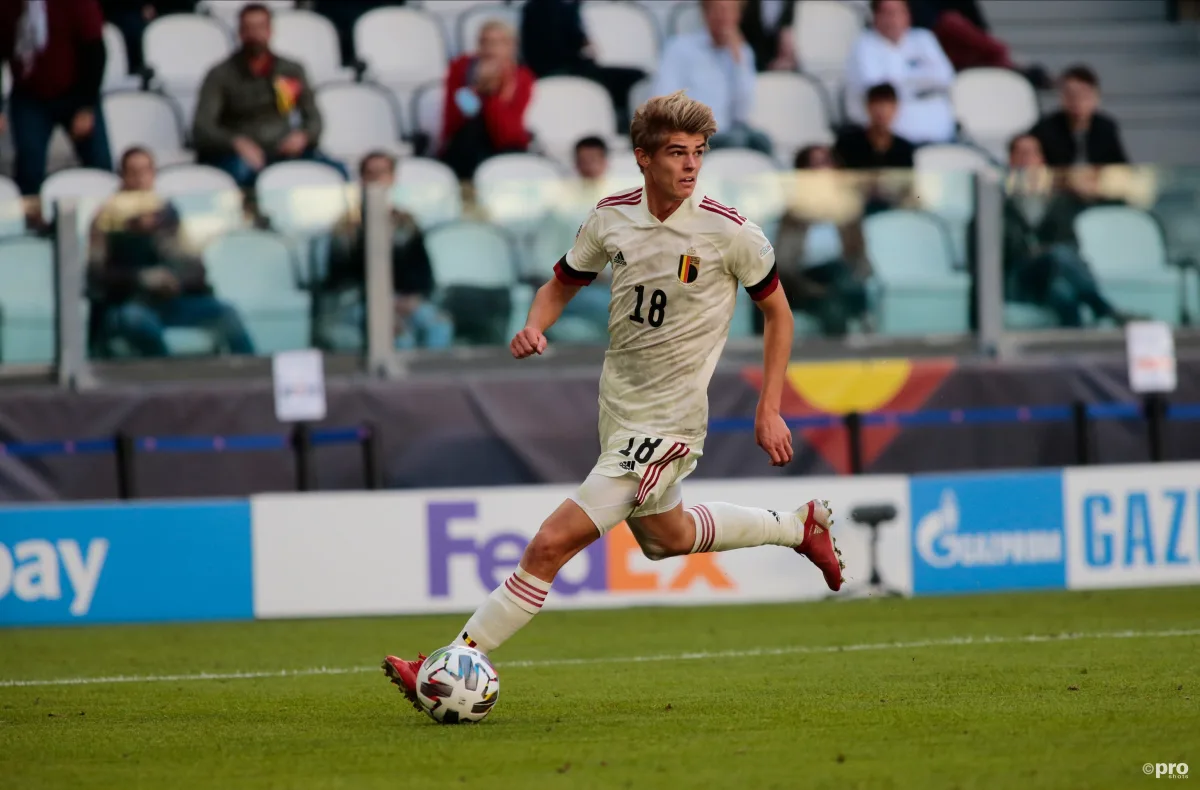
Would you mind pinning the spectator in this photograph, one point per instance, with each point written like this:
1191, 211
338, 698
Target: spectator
486, 97
591, 159
140, 278
716, 66
553, 42
590, 308
913, 62
876, 147
1042, 264
963, 33
56, 51
256, 108
418, 320
1079, 133
133, 16
767, 26
823, 265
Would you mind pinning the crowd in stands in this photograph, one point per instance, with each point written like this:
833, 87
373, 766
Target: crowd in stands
256, 108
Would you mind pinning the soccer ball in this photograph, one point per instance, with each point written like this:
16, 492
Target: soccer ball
457, 684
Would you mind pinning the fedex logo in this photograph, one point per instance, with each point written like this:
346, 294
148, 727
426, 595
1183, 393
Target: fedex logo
608, 564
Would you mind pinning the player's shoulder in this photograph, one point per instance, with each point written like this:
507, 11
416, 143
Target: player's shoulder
718, 215
628, 197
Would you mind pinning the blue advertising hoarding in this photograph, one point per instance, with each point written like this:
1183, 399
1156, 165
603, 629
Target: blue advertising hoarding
119, 562
988, 532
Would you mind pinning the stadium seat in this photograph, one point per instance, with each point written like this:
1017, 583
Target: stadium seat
479, 255
791, 109
471, 22
945, 184
640, 93
255, 271
623, 34
401, 46
227, 11
429, 190
449, 15
311, 40
427, 103
12, 209
181, 49
749, 180
358, 118
686, 18
919, 290
564, 110
992, 105
1126, 251
116, 64
27, 300
517, 190
824, 32
146, 119
89, 187
301, 197
207, 198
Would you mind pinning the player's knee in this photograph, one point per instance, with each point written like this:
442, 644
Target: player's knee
550, 548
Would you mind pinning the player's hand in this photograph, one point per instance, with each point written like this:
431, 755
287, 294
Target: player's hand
773, 435
527, 342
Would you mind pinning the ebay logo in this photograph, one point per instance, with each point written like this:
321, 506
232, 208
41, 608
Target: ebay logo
609, 562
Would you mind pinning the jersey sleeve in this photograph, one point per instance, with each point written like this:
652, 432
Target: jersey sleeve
586, 258
752, 262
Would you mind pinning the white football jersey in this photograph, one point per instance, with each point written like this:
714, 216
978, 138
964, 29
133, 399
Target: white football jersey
674, 286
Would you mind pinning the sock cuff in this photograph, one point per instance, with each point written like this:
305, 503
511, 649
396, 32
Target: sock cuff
706, 529
526, 591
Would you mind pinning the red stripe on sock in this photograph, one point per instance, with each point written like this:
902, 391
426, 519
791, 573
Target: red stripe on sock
711, 532
529, 588
523, 596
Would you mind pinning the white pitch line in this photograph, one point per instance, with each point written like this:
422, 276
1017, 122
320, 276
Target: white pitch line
565, 662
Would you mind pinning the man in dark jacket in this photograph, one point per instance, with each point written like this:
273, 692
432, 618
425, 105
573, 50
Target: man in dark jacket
256, 108
56, 51
1079, 133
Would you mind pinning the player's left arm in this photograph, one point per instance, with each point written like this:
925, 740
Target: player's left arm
752, 261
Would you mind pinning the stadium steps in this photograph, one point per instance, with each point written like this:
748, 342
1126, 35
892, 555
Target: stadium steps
1002, 12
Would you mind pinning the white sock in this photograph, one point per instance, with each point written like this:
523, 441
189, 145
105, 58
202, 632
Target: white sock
721, 526
507, 610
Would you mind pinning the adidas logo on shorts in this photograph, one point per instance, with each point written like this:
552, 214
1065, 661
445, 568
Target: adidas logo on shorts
627, 465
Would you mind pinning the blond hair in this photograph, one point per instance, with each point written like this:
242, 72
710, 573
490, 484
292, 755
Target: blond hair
662, 116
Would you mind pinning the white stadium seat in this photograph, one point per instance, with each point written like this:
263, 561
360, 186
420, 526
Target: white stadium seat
27, 300
358, 118
227, 11
921, 293
791, 109
116, 64
993, 105
145, 119
747, 180
401, 46
824, 32
472, 21
1125, 249
311, 40
429, 190
304, 197
90, 187
517, 190
623, 34
192, 179
449, 14
207, 198
181, 49
471, 253
12, 208
564, 110
255, 271
945, 185
428, 103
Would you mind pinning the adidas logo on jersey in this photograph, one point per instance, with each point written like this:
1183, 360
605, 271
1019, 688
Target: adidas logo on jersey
627, 465
618, 259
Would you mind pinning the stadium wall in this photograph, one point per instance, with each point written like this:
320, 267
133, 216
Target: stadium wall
537, 426
441, 550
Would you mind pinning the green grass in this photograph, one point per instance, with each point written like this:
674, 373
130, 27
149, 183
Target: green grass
1079, 713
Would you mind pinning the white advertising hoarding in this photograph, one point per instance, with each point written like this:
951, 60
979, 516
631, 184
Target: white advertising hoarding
1132, 526
444, 550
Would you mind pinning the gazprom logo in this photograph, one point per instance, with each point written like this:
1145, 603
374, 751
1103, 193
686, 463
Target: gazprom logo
941, 544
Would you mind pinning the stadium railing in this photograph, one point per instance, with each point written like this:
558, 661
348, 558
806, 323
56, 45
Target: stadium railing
1155, 410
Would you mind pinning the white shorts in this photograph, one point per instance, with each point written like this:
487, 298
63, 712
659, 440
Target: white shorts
636, 474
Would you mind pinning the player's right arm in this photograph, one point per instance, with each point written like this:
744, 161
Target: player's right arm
575, 270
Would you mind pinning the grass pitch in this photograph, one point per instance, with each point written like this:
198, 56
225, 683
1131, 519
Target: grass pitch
927, 693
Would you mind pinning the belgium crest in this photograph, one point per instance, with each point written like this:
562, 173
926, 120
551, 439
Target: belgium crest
689, 266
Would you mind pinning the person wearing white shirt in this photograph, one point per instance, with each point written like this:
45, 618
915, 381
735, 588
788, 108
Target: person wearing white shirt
911, 60
716, 67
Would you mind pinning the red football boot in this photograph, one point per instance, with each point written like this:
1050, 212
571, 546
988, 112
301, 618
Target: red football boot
818, 544
404, 674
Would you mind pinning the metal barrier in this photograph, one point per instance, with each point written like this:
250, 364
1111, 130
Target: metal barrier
301, 442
